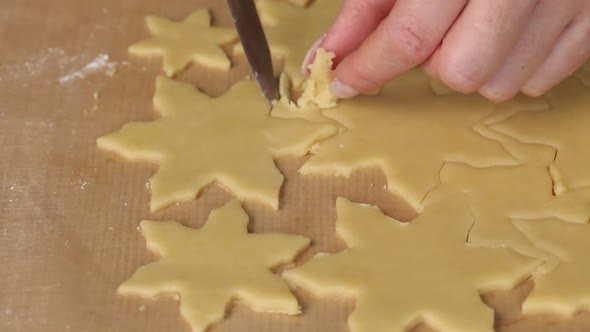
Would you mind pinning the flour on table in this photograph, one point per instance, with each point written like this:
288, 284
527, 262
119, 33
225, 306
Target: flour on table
100, 63
69, 67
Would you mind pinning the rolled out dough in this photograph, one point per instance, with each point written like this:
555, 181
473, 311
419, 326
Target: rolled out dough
211, 266
230, 140
409, 132
564, 127
403, 273
498, 194
566, 290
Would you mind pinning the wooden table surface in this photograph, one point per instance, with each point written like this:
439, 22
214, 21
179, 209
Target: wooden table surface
69, 213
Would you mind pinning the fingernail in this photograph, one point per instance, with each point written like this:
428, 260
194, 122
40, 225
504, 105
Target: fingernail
495, 93
310, 54
343, 90
531, 90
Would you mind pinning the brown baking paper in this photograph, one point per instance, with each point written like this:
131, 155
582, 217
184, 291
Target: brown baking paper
69, 213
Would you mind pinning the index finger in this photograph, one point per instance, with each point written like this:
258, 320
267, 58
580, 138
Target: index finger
403, 40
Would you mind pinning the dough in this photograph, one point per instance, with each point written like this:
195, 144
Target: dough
403, 273
180, 43
498, 194
526, 154
566, 289
318, 87
317, 93
230, 140
211, 266
300, 3
288, 109
291, 31
563, 127
409, 133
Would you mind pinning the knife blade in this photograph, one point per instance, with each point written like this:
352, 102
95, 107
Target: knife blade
255, 45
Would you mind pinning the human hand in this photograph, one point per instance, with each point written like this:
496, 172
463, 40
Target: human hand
497, 47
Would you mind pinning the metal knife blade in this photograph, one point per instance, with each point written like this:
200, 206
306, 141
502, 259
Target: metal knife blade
255, 45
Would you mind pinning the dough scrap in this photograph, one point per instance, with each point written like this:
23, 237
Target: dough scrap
230, 140
566, 290
397, 282
499, 194
288, 109
562, 127
318, 86
180, 43
211, 266
409, 133
283, 28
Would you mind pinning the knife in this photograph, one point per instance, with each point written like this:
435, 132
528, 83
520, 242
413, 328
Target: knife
255, 45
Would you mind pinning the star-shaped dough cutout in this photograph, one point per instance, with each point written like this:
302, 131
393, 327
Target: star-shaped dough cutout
211, 266
199, 140
409, 136
563, 127
499, 194
292, 30
181, 43
402, 273
566, 290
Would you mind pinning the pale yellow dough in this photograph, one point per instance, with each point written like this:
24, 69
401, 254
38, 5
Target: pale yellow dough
291, 30
316, 96
317, 92
300, 3
286, 108
180, 43
566, 290
498, 194
409, 132
564, 127
211, 266
199, 140
403, 273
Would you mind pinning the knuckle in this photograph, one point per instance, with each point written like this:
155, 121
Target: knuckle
410, 40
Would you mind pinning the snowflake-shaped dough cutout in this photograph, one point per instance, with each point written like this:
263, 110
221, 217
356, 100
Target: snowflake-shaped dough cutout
499, 194
181, 43
402, 273
564, 127
408, 136
566, 290
211, 266
199, 140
